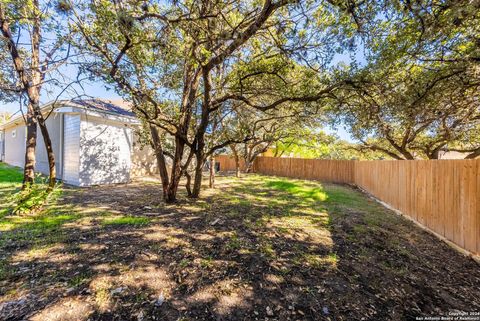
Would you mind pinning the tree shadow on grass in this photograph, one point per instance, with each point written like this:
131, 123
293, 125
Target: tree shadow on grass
254, 248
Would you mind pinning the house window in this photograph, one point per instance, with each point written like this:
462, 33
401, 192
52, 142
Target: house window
14, 133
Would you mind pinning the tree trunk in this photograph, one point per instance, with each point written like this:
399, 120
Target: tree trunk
31, 83
50, 155
237, 161
31, 143
191, 81
176, 171
248, 159
248, 165
237, 167
161, 163
474, 154
200, 135
188, 183
211, 182
197, 181
252, 155
405, 153
435, 154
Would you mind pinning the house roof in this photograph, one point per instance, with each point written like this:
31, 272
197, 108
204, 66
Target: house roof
116, 107
119, 107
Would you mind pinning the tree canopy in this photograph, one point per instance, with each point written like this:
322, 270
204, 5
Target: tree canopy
206, 75
185, 64
417, 95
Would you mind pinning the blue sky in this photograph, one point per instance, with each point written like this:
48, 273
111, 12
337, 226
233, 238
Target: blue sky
340, 131
99, 89
95, 89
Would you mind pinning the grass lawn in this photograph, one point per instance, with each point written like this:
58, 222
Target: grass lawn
254, 248
10, 182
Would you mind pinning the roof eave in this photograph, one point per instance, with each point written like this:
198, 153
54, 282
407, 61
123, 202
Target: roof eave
65, 103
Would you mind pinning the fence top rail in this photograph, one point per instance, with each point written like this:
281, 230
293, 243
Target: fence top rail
313, 159
417, 160
372, 160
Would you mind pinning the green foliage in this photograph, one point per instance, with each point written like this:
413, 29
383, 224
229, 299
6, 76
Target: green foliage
411, 113
209, 73
417, 94
305, 143
29, 200
34, 197
308, 143
414, 96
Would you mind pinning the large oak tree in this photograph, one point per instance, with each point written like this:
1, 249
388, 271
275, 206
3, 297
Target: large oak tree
417, 94
184, 64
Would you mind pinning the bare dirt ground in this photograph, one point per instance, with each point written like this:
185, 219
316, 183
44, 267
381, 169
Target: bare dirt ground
258, 248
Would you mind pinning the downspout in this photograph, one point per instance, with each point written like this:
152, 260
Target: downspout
62, 149
2, 143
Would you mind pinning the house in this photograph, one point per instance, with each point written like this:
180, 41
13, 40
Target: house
452, 155
93, 140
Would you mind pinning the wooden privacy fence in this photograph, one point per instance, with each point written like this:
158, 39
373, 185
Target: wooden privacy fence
227, 163
441, 195
339, 171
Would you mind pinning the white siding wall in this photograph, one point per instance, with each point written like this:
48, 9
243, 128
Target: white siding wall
71, 149
15, 146
54, 125
144, 161
105, 149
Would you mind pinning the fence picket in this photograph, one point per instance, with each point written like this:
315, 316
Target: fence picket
442, 195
